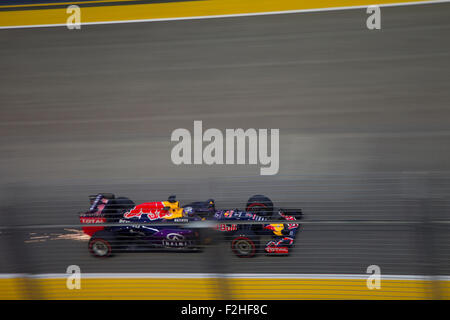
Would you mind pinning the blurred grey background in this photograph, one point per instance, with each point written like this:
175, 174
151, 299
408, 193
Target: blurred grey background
363, 118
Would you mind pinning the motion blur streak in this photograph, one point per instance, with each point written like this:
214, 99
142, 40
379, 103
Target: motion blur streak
363, 118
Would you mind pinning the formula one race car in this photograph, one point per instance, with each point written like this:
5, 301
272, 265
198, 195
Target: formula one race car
129, 234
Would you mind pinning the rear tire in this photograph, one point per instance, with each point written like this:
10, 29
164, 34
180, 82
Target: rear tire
260, 204
100, 244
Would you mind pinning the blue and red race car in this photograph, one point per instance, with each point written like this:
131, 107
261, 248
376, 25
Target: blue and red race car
138, 227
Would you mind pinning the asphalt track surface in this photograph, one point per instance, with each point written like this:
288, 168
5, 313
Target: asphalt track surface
363, 118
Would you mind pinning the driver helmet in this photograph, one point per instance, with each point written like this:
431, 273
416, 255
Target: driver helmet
188, 212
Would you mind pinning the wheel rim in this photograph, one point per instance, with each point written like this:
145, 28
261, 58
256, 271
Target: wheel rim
100, 248
243, 247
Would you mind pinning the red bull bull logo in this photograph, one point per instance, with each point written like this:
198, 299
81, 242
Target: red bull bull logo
153, 210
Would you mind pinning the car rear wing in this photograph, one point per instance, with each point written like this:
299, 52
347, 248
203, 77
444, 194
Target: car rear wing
108, 196
105, 208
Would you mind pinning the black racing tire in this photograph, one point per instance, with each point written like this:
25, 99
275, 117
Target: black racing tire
245, 245
101, 244
260, 204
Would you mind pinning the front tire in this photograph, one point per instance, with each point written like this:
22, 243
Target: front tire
244, 246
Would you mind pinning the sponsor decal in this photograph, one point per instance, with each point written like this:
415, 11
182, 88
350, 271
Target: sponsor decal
176, 243
226, 227
175, 236
228, 214
90, 220
152, 213
277, 250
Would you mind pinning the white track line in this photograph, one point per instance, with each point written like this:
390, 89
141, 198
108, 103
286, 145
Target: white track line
234, 15
214, 275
